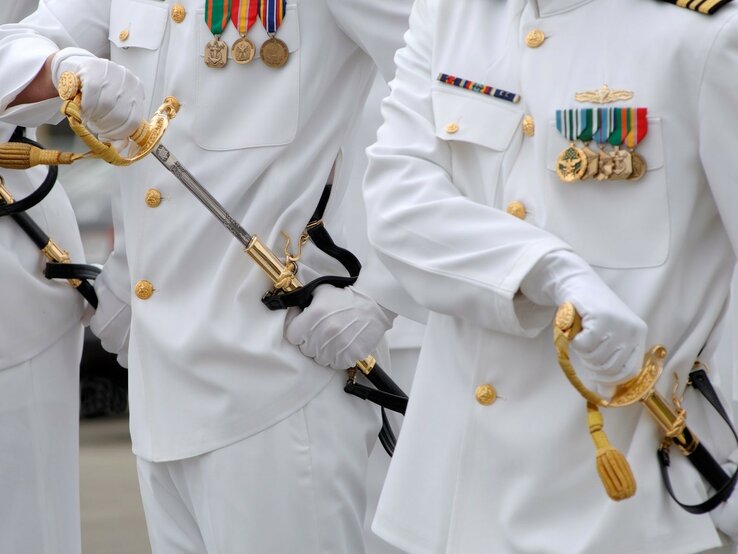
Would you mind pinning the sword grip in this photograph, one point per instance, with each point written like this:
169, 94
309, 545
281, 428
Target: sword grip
283, 278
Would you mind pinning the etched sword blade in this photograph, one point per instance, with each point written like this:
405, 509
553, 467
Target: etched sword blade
168, 160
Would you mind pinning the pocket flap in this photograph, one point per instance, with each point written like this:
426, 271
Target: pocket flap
468, 116
137, 23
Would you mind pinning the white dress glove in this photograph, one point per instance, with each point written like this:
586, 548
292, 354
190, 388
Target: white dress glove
112, 97
339, 328
111, 322
613, 339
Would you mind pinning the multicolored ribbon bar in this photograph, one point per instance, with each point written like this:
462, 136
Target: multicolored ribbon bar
479, 87
272, 13
614, 126
244, 14
638, 127
604, 124
217, 13
586, 125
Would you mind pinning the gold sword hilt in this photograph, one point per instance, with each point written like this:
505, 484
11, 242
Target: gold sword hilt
284, 279
641, 388
24, 156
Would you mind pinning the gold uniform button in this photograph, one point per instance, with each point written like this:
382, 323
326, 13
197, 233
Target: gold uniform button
153, 198
486, 394
517, 209
178, 13
534, 38
124, 34
529, 126
144, 289
452, 128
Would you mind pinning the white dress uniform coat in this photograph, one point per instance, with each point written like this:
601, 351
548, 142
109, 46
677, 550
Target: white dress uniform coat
40, 348
208, 365
518, 475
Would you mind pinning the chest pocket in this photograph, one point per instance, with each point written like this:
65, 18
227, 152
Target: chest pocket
480, 132
136, 33
612, 224
245, 106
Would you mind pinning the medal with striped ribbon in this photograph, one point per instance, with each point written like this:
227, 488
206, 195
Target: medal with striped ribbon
572, 162
274, 52
589, 125
217, 13
622, 163
243, 15
637, 130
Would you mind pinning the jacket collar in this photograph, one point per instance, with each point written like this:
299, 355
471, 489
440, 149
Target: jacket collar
547, 8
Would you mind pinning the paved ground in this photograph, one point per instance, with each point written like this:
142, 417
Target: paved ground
112, 516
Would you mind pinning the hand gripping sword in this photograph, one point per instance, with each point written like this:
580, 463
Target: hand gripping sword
612, 466
148, 137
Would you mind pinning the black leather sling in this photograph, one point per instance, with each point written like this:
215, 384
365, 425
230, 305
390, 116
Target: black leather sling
700, 458
387, 394
79, 274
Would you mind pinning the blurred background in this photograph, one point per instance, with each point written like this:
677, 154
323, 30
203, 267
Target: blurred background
112, 515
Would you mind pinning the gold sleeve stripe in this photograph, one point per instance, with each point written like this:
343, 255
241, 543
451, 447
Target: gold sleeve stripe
707, 7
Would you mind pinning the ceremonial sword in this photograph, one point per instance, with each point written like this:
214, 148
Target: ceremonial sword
282, 274
148, 137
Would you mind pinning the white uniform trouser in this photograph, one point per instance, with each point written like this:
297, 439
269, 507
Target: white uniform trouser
403, 365
39, 451
297, 487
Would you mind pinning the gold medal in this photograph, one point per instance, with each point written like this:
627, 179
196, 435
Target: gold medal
622, 165
274, 52
571, 164
243, 50
216, 53
639, 167
592, 163
605, 166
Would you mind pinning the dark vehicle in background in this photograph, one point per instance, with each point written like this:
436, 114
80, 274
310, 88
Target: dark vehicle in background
88, 183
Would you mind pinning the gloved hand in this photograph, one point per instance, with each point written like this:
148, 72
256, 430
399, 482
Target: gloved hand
613, 339
339, 328
725, 516
111, 322
112, 97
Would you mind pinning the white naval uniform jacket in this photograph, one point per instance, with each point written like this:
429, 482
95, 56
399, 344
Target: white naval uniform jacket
36, 311
208, 362
518, 476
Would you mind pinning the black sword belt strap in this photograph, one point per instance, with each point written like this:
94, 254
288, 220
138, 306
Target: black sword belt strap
390, 396
317, 232
41, 192
58, 267
700, 458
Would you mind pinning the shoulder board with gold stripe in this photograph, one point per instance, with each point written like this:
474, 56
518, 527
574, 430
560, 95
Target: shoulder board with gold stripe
707, 7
